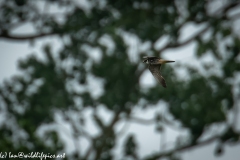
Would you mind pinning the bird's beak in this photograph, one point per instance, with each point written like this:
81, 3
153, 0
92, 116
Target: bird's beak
162, 61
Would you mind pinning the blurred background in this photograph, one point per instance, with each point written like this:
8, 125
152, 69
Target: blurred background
72, 79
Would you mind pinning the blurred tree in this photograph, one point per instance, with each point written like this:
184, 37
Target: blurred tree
60, 88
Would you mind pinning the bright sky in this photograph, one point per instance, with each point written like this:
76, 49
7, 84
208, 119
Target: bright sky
146, 136
148, 140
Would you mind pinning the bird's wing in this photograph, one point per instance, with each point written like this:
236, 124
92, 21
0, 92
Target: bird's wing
155, 70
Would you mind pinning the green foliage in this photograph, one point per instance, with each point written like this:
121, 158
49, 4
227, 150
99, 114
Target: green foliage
130, 147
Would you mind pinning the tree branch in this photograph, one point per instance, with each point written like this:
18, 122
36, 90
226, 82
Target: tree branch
222, 10
30, 37
182, 148
88, 152
114, 120
185, 147
169, 45
152, 121
106, 130
234, 17
141, 120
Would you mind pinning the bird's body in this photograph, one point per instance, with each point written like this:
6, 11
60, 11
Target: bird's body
154, 65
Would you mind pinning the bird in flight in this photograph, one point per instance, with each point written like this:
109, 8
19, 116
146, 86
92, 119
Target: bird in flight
154, 65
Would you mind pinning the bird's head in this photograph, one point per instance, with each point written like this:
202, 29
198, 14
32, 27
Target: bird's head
155, 60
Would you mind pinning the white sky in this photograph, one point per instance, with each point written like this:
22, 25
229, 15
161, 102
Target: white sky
147, 138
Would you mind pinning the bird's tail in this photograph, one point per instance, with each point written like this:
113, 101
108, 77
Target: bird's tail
167, 61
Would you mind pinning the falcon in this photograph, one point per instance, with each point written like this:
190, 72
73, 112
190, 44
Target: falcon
154, 65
